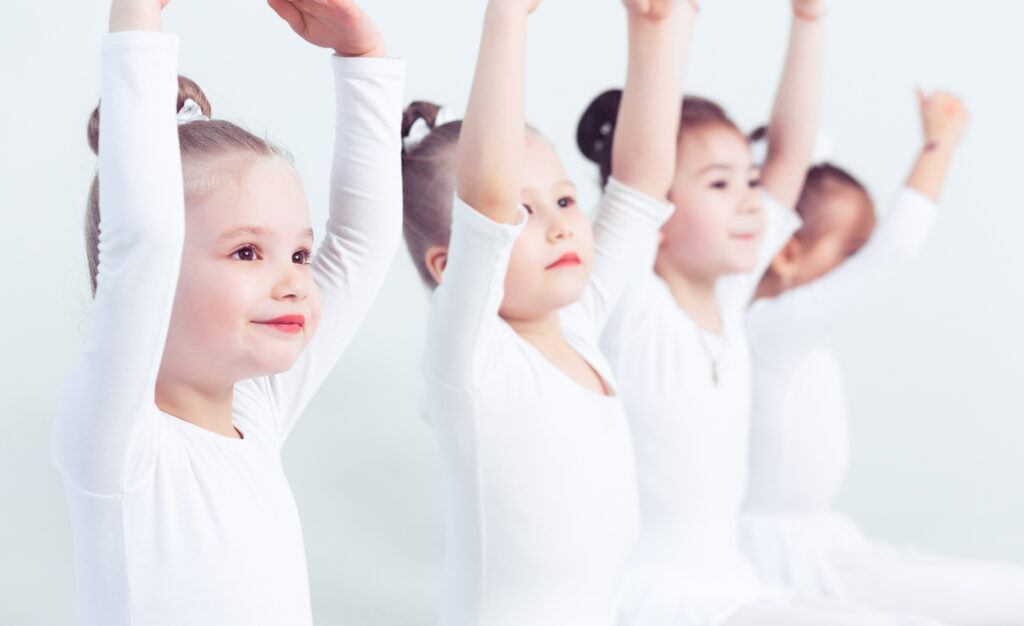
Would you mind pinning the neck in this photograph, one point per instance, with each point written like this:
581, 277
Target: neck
208, 407
538, 330
694, 293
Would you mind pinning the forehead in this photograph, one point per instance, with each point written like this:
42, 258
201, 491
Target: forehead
714, 143
260, 192
542, 167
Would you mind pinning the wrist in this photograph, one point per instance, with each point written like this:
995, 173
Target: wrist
377, 52
938, 146
135, 15
808, 16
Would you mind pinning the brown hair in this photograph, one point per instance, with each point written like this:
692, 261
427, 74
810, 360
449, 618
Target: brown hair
596, 130
428, 184
203, 144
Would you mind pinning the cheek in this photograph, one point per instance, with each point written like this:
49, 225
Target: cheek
212, 298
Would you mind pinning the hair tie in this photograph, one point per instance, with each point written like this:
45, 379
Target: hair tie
190, 112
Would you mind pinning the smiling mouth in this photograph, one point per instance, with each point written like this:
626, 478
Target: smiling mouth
569, 258
290, 324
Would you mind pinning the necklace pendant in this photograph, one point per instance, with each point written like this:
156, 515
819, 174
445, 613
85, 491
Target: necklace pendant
714, 373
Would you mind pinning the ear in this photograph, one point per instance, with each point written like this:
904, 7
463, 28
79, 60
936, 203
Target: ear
436, 258
787, 261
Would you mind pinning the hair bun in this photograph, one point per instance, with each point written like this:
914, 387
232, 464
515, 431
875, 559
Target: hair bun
187, 89
419, 110
596, 129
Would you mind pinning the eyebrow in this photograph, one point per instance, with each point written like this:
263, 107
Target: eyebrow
255, 231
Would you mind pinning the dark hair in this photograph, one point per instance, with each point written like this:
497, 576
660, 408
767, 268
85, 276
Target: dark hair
201, 144
821, 180
428, 184
596, 129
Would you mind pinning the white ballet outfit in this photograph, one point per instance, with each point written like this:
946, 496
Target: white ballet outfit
541, 503
174, 524
690, 436
800, 450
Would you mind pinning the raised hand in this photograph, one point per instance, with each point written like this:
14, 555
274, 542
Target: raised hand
337, 24
944, 118
136, 14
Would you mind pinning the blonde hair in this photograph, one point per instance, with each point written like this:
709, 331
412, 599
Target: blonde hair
209, 149
428, 184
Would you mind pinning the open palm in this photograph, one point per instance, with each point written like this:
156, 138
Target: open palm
338, 24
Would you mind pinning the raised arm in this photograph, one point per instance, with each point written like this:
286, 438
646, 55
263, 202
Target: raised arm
944, 119
365, 220
492, 142
786, 325
107, 405
644, 146
795, 115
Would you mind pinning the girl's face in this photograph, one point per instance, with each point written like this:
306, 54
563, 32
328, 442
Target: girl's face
246, 303
552, 257
719, 219
847, 221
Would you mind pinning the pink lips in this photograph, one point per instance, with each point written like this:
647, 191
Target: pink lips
291, 324
569, 258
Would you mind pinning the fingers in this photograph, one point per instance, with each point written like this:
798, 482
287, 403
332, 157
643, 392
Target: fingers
289, 13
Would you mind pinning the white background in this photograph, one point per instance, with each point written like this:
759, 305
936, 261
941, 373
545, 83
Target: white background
934, 368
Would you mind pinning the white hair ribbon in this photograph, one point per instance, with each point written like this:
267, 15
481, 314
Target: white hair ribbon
420, 128
191, 112
822, 149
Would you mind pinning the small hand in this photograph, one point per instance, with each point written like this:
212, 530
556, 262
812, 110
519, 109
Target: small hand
337, 24
944, 118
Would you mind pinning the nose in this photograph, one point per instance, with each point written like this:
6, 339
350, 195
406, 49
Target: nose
292, 282
558, 227
751, 202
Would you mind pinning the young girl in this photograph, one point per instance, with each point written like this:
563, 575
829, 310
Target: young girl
200, 354
541, 491
799, 446
677, 344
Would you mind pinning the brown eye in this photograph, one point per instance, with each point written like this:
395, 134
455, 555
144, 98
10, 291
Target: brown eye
245, 253
719, 184
755, 183
566, 202
301, 257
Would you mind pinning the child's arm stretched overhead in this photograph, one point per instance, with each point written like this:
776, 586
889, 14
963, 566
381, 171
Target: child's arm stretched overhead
787, 325
643, 160
365, 222
795, 115
108, 404
945, 120
489, 165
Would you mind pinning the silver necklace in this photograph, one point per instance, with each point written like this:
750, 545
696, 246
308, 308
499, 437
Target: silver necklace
716, 360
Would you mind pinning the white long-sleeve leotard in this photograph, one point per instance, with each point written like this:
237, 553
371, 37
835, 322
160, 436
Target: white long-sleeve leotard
799, 453
690, 436
174, 524
540, 487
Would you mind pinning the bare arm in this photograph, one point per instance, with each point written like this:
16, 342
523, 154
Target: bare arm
644, 148
945, 120
795, 115
492, 141
136, 15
